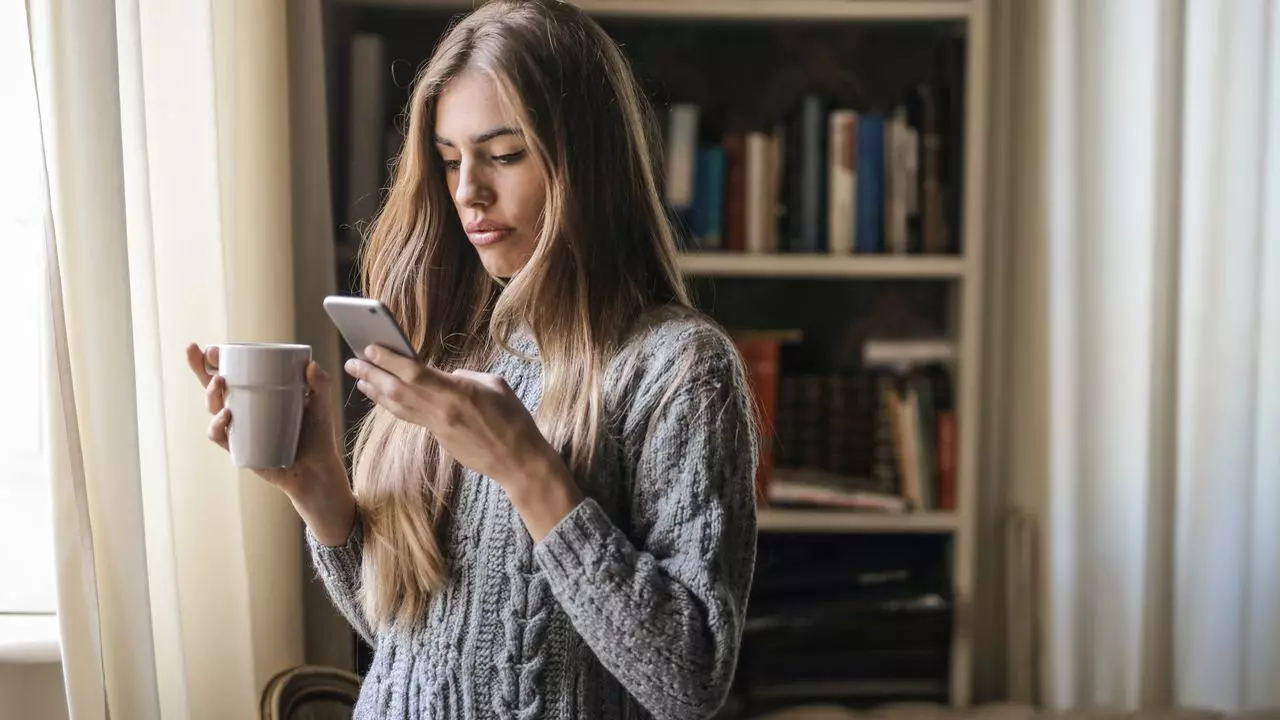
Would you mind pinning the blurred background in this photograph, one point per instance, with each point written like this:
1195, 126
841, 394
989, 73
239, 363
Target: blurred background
1006, 274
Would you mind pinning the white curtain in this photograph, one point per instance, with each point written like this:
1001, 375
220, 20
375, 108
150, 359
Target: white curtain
1137, 201
165, 132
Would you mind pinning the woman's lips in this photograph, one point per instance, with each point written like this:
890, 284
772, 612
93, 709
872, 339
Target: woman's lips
486, 237
486, 233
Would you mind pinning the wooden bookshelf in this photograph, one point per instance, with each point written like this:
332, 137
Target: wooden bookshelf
771, 520
750, 281
782, 265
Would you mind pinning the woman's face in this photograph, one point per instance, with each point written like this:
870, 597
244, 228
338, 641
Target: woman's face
494, 180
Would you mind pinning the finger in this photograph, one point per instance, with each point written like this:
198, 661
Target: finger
377, 384
375, 379
195, 360
218, 425
406, 369
369, 391
215, 395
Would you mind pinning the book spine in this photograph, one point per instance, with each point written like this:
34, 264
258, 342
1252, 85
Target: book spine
813, 175
736, 207
682, 148
947, 460
885, 473
896, 180
760, 356
761, 198
841, 202
870, 210
708, 199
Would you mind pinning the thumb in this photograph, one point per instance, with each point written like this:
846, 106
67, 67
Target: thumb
319, 403
319, 382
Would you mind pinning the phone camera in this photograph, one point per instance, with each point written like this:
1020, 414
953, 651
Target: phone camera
373, 311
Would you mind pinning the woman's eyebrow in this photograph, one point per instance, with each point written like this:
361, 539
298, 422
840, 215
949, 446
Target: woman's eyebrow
483, 137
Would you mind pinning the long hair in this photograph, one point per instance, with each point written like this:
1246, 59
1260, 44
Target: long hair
605, 255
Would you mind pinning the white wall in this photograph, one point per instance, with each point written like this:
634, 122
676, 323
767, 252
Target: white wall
32, 692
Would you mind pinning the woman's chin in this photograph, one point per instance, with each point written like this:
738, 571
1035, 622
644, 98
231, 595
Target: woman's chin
502, 262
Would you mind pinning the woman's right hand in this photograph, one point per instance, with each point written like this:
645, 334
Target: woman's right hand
317, 481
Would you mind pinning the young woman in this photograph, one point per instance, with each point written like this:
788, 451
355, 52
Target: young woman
571, 532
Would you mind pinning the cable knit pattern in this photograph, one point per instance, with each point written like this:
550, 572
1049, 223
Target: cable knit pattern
633, 605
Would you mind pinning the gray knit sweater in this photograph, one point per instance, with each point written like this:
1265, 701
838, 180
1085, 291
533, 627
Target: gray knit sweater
633, 605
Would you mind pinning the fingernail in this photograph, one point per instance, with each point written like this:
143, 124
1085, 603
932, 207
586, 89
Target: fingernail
370, 352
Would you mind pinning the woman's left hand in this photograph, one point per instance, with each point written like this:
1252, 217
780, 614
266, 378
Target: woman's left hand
475, 416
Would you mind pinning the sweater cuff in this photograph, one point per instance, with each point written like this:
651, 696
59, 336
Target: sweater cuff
573, 547
342, 560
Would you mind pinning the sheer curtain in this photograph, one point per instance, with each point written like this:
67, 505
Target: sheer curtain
1139, 330
165, 131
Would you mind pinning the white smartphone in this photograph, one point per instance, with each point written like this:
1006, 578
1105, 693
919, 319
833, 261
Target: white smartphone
366, 321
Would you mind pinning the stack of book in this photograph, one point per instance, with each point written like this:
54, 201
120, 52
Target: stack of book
916, 435
882, 438
825, 180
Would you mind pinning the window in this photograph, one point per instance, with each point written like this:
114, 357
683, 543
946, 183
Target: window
26, 518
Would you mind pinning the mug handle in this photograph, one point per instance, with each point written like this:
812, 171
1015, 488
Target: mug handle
210, 369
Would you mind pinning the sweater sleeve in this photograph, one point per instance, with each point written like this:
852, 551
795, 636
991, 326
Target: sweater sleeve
339, 570
665, 614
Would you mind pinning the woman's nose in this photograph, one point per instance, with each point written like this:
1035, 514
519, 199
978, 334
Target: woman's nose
473, 188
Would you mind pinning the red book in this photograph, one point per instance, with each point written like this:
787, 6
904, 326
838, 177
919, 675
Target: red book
760, 351
947, 460
735, 202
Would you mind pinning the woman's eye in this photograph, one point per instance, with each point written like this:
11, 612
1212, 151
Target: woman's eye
452, 165
509, 158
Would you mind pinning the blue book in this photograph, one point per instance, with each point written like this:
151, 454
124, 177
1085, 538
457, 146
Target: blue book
870, 230
707, 217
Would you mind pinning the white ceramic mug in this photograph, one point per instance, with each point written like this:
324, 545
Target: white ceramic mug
266, 390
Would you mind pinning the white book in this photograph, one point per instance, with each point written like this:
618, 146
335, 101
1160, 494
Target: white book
842, 207
682, 151
896, 183
907, 353
366, 131
912, 482
759, 200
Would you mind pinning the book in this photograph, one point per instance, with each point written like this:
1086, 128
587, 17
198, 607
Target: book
706, 218
813, 175
760, 352
870, 188
761, 193
817, 488
682, 148
736, 209
842, 182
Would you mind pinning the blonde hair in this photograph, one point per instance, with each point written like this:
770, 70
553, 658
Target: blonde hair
605, 256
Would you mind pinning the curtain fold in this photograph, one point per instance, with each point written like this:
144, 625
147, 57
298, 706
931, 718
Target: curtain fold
165, 130
1141, 323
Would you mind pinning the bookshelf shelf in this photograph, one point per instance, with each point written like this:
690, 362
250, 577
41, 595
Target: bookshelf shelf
920, 10
838, 521
819, 265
